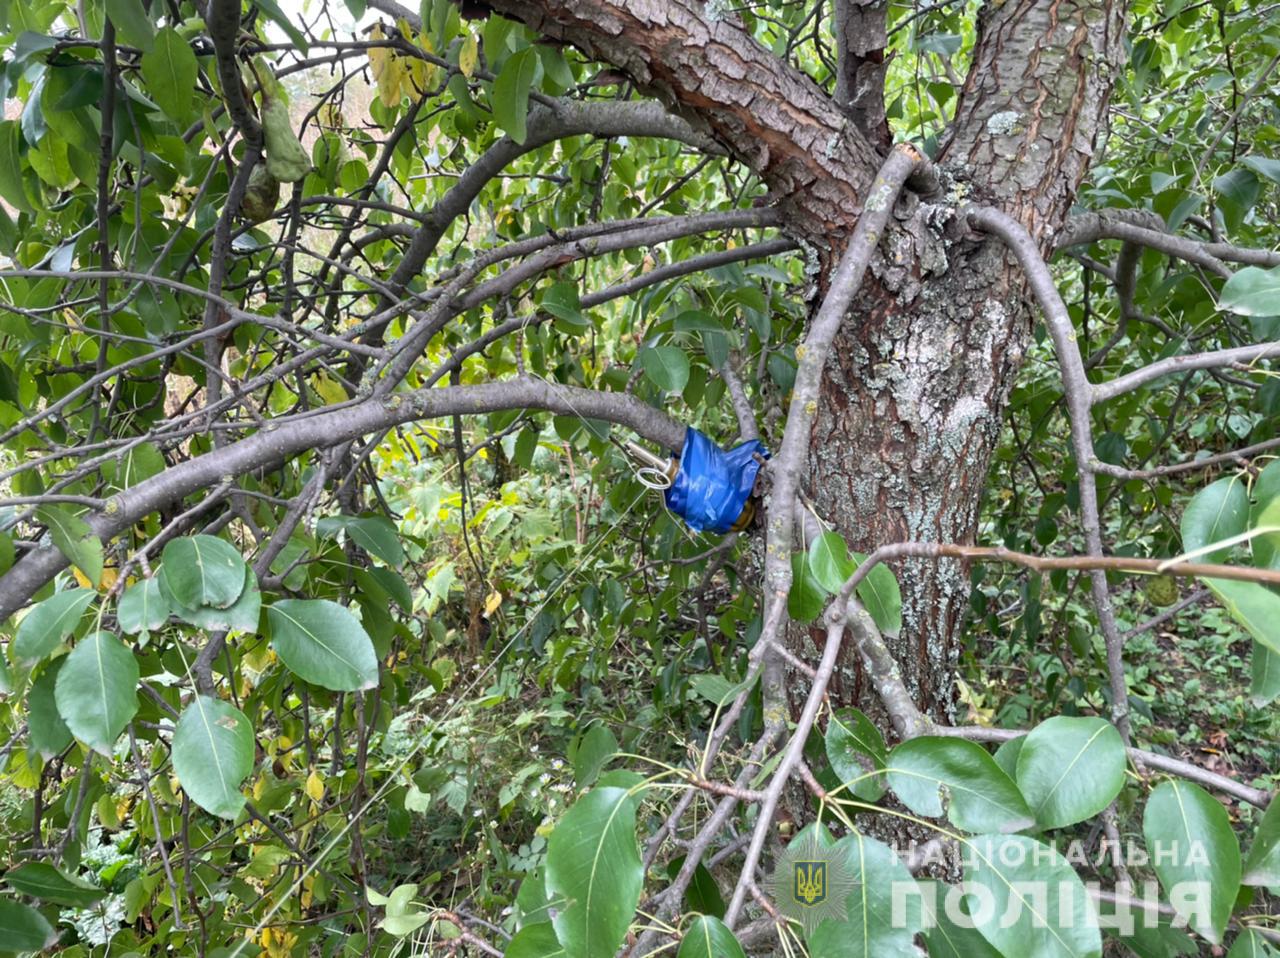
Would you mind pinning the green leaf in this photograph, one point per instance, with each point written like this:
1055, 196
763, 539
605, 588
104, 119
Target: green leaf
1006, 756
132, 23
1070, 769
703, 894
170, 70
1252, 291
1263, 166
831, 565
323, 643
283, 21
1262, 867
880, 596
378, 580
855, 747
511, 92
97, 690
982, 797
1160, 941
1218, 511
74, 539
1195, 854
241, 616
829, 561
137, 465
708, 937
49, 734
698, 321
561, 301
594, 863
1265, 546
203, 571
535, 941
667, 367
1253, 605
22, 928
1264, 686
213, 754
143, 607
1018, 922
12, 187
404, 916
591, 753
1238, 191
716, 689
47, 624
376, 535
806, 599
871, 929
1250, 944
41, 880
946, 937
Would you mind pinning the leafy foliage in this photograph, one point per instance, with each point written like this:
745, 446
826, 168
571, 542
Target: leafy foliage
434, 655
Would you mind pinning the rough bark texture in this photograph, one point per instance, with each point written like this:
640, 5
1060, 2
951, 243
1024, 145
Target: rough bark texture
861, 37
910, 412
703, 64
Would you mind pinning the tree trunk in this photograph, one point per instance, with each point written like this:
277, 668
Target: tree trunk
911, 407
912, 404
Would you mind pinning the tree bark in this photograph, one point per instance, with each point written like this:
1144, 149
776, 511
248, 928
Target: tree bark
912, 406
911, 409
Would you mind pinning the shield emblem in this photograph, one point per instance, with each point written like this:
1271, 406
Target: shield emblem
810, 883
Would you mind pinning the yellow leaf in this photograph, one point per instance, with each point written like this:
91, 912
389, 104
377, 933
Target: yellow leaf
109, 577
328, 388
468, 56
387, 72
492, 602
25, 769
315, 787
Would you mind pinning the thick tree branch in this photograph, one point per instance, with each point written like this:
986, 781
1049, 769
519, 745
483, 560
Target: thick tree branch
271, 447
861, 30
1078, 393
1147, 229
767, 114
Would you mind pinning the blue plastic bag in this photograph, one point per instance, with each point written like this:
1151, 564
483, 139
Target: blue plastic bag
712, 486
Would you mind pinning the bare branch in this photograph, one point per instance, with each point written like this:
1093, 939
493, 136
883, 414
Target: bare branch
1240, 355
270, 447
1078, 394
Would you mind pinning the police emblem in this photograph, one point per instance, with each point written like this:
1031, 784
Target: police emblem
812, 881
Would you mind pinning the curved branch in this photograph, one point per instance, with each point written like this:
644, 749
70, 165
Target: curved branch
1181, 364
546, 123
769, 115
224, 30
1078, 394
1147, 229
273, 446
